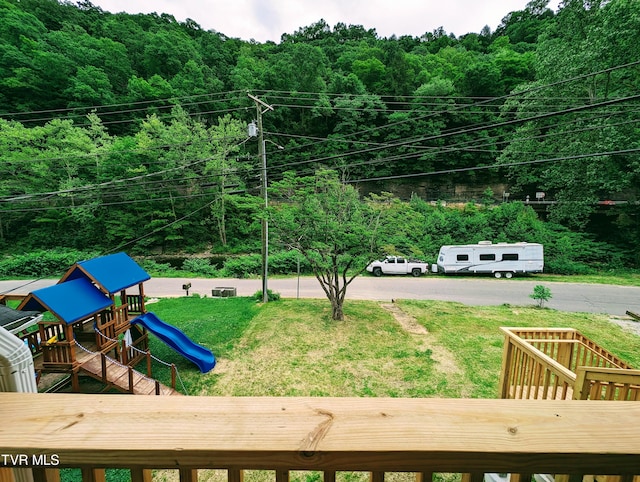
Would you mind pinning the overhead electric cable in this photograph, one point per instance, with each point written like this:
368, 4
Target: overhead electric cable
494, 166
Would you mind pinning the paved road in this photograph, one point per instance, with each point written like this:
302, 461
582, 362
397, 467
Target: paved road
575, 297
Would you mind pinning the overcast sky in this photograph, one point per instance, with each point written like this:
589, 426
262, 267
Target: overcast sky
264, 20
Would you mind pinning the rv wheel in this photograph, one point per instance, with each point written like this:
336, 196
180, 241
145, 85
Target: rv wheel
508, 275
497, 274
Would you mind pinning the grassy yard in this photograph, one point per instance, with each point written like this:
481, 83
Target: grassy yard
405, 349
292, 348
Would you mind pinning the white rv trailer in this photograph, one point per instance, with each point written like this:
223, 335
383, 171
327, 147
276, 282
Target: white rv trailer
500, 259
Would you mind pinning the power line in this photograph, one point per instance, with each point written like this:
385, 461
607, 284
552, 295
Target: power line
469, 130
494, 166
405, 143
128, 104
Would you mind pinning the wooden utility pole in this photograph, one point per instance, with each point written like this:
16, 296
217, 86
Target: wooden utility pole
260, 105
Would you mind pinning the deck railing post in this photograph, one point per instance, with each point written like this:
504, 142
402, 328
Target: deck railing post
565, 353
505, 373
188, 475
475, 477
90, 474
237, 475
423, 477
376, 477
520, 478
282, 476
141, 475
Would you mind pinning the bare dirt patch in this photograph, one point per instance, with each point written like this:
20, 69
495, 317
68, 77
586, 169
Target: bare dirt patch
446, 362
408, 322
627, 323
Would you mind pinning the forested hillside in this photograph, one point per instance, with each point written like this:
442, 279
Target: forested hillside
123, 131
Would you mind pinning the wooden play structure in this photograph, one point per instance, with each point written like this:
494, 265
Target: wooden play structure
90, 330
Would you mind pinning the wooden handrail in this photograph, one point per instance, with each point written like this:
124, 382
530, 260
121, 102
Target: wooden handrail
542, 358
628, 381
514, 366
325, 434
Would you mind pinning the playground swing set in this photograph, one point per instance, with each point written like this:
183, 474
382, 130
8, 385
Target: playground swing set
100, 327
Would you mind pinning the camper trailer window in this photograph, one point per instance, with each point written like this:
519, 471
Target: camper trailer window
462, 257
510, 257
487, 257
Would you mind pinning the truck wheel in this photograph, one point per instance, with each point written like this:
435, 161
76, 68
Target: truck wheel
497, 274
508, 275
377, 272
416, 272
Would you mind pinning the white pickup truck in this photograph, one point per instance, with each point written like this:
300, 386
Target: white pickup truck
397, 265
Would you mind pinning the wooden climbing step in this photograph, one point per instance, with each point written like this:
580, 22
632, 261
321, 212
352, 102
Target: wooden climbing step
123, 378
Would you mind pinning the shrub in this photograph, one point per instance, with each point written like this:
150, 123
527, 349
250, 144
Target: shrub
565, 266
541, 294
151, 266
199, 266
286, 262
42, 264
243, 266
271, 295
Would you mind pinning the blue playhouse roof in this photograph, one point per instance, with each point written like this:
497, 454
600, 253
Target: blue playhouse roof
70, 301
113, 273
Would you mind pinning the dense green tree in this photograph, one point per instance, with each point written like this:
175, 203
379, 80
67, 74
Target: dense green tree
400, 228
167, 52
587, 152
326, 222
526, 25
249, 72
543, 94
400, 78
222, 168
123, 29
90, 86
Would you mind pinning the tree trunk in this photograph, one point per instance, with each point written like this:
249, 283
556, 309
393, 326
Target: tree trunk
336, 311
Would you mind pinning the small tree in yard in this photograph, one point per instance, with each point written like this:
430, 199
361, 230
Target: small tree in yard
325, 220
541, 294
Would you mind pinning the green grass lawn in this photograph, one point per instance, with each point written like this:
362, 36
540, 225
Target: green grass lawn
292, 348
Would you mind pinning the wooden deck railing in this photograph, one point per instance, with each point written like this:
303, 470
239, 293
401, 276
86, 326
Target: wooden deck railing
545, 363
595, 383
326, 435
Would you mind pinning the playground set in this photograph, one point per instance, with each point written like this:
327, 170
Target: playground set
101, 327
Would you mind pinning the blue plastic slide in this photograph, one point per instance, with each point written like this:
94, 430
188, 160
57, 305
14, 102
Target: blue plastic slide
176, 339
